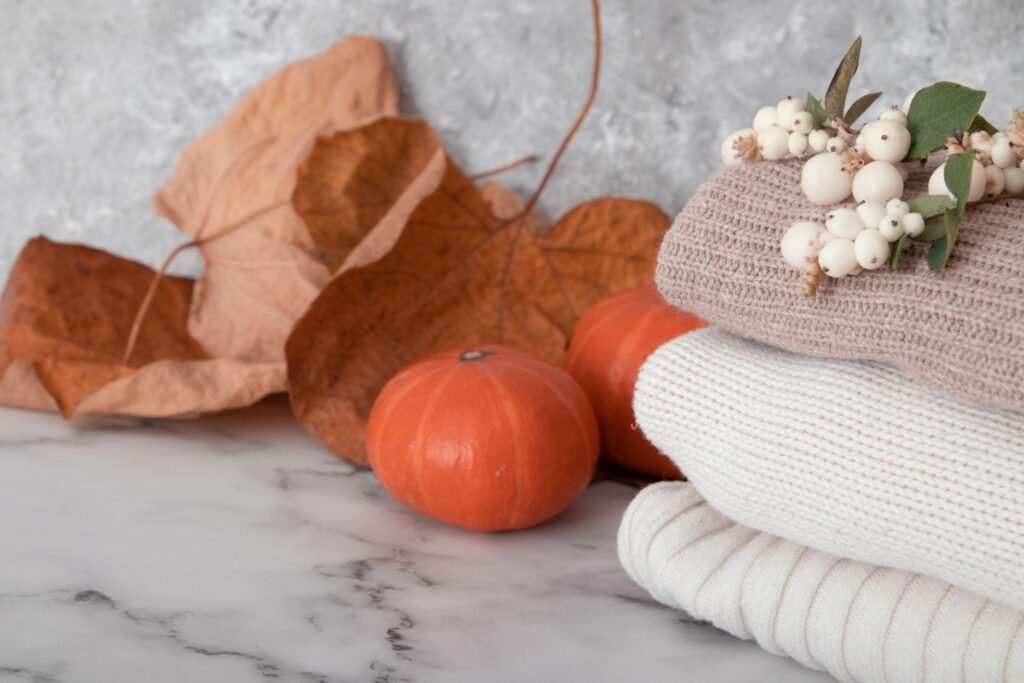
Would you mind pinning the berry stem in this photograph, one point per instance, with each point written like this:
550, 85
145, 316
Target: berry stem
997, 198
812, 275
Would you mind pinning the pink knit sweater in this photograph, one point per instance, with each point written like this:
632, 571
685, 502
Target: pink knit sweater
959, 331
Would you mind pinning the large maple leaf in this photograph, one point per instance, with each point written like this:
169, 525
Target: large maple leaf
457, 275
235, 184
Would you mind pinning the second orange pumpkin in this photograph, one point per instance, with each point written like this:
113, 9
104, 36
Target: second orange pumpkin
610, 343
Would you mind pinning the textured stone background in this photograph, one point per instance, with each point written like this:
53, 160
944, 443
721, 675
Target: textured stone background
98, 97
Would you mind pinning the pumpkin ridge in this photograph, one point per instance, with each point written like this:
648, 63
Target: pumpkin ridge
421, 429
395, 400
614, 311
504, 397
634, 336
564, 391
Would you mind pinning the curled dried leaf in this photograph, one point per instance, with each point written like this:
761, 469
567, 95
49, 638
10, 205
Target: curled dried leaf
260, 277
355, 192
65, 317
457, 275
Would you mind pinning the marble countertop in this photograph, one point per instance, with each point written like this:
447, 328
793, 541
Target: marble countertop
235, 548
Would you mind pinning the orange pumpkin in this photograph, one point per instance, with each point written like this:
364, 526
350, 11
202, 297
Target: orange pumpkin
610, 343
489, 438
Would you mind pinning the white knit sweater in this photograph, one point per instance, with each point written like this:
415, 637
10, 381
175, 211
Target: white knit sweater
849, 458
860, 622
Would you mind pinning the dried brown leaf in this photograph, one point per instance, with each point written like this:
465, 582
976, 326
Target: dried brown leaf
65, 316
457, 275
262, 275
355, 192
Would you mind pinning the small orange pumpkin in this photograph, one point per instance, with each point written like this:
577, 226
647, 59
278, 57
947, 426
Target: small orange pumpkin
610, 343
489, 439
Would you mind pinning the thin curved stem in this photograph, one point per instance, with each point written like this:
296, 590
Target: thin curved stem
579, 118
147, 301
528, 159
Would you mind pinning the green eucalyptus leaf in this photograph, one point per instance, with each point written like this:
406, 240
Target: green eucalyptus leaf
981, 123
897, 247
939, 111
938, 254
835, 97
958, 178
817, 111
930, 204
860, 106
934, 228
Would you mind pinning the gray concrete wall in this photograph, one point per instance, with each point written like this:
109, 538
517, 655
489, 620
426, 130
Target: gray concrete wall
98, 97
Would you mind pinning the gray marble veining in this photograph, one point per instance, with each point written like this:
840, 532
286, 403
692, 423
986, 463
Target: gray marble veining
235, 548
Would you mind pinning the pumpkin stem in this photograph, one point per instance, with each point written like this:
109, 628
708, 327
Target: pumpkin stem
474, 354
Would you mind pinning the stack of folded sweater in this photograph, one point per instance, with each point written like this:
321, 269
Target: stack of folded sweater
855, 461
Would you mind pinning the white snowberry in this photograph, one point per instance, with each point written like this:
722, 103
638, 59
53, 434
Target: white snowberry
837, 258
787, 110
844, 223
871, 213
937, 182
891, 228
1014, 180
1003, 154
981, 140
879, 182
886, 141
823, 180
818, 140
803, 122
797, 144
904, 171
906, 103
913, 224
773, 143
995, 181
766, 117
800, 243
897, 207
894, 114
729, 155
837, 144
871, 249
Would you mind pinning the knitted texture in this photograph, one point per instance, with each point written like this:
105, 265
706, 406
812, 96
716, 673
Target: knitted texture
959, 331
851, 458
860, 622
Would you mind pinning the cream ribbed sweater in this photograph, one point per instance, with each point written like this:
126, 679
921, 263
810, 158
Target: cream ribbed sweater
850, 458
858, 621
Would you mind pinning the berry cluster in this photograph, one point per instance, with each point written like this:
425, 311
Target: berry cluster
998, 161
872, 165
785, 129
850, 240
868, 165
